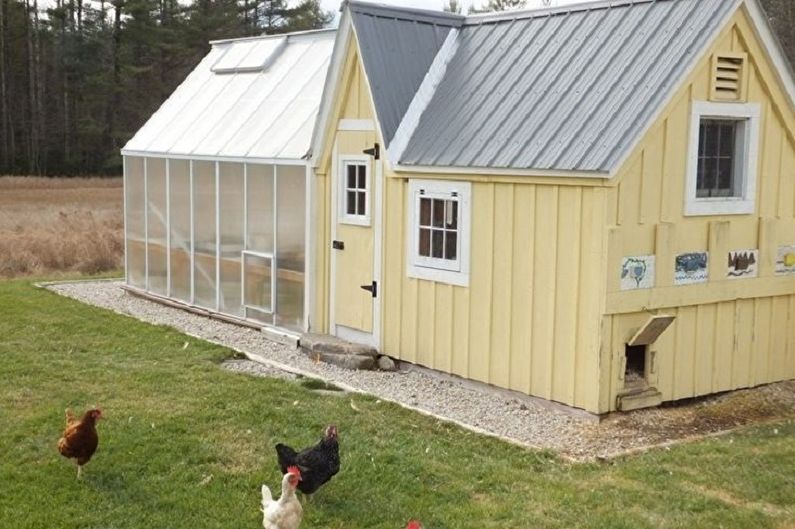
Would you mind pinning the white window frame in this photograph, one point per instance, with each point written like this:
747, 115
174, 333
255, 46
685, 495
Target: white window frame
343, 217
260, 255
747, 155
439, 270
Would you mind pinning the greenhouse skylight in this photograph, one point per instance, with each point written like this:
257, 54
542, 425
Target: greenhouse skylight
249, 55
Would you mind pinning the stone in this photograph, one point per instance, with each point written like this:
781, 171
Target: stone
386, 364
346, 361
321, 343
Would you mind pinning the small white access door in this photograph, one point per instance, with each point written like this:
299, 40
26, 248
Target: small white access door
356, 238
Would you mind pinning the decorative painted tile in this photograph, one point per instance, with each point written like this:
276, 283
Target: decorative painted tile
691, 268
637, 272
785, 262
743, 264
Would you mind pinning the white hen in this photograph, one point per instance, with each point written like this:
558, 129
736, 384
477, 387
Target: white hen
286, 512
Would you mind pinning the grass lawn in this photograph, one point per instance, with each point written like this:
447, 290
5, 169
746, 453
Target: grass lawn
173, 419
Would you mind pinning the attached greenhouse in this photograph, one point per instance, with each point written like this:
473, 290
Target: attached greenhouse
217, 183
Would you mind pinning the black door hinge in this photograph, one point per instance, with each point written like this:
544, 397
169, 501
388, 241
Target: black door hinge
338, 245
375, 152
372, 288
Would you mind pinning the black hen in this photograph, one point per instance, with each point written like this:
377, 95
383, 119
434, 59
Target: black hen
318, 464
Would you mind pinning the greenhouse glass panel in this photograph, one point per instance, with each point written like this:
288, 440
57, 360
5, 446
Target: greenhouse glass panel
259, 207
157, 225
204, 234
179, 212
231, 236
290, 245
135, 211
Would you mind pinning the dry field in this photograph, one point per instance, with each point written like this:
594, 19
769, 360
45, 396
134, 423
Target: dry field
50, 226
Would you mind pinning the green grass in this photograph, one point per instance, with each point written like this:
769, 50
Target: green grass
316, 383
173, 418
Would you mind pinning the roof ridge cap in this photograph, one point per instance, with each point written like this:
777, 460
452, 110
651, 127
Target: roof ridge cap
582, 5
388, 9
273, 36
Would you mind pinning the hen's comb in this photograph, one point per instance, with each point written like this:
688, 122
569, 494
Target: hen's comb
414, 524
294, 470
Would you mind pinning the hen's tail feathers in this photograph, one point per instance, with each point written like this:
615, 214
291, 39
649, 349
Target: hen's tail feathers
63, 447
286, 456
267, 497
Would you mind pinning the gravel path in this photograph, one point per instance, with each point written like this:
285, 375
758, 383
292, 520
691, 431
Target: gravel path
522, 421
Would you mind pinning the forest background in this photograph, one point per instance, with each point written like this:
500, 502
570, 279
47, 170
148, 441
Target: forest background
79, 77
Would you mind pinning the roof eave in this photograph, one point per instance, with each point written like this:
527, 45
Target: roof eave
287, 160
331, 87
501, 171
772, 45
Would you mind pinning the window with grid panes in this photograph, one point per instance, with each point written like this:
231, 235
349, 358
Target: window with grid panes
438, 228
356, 189
723, 150
439, 223
717, 144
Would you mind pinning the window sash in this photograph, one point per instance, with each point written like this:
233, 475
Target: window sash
354, 186
440, 234
718, 154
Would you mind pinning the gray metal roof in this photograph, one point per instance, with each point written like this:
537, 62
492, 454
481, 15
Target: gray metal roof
565, 89
397, 47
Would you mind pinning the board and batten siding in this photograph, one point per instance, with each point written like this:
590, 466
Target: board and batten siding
727, 334
529, 319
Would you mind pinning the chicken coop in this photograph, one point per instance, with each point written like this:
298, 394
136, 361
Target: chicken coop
216, 182
592, 204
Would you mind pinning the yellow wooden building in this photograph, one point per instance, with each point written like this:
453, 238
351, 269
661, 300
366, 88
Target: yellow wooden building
591, 204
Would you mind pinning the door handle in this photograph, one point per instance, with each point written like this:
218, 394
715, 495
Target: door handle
372, 288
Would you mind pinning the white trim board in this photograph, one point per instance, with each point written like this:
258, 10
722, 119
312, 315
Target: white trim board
332, 86
356, 125
209, 158
124, 178
597, 177
309, 244
772, 45
423, 96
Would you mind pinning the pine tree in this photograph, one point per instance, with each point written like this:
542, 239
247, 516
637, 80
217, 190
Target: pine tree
453, 6
76, 83
782, 17
499, 5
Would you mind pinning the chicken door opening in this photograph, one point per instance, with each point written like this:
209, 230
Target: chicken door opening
635, 371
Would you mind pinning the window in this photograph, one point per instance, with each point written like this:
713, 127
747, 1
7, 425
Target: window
722, 167
717, 150
438, 231
355, 197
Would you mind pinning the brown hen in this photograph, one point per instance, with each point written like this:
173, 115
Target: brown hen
80, 438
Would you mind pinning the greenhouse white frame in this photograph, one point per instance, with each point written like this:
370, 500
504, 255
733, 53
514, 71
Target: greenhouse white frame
230, 144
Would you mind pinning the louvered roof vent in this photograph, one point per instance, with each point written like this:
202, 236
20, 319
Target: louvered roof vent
728, 77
